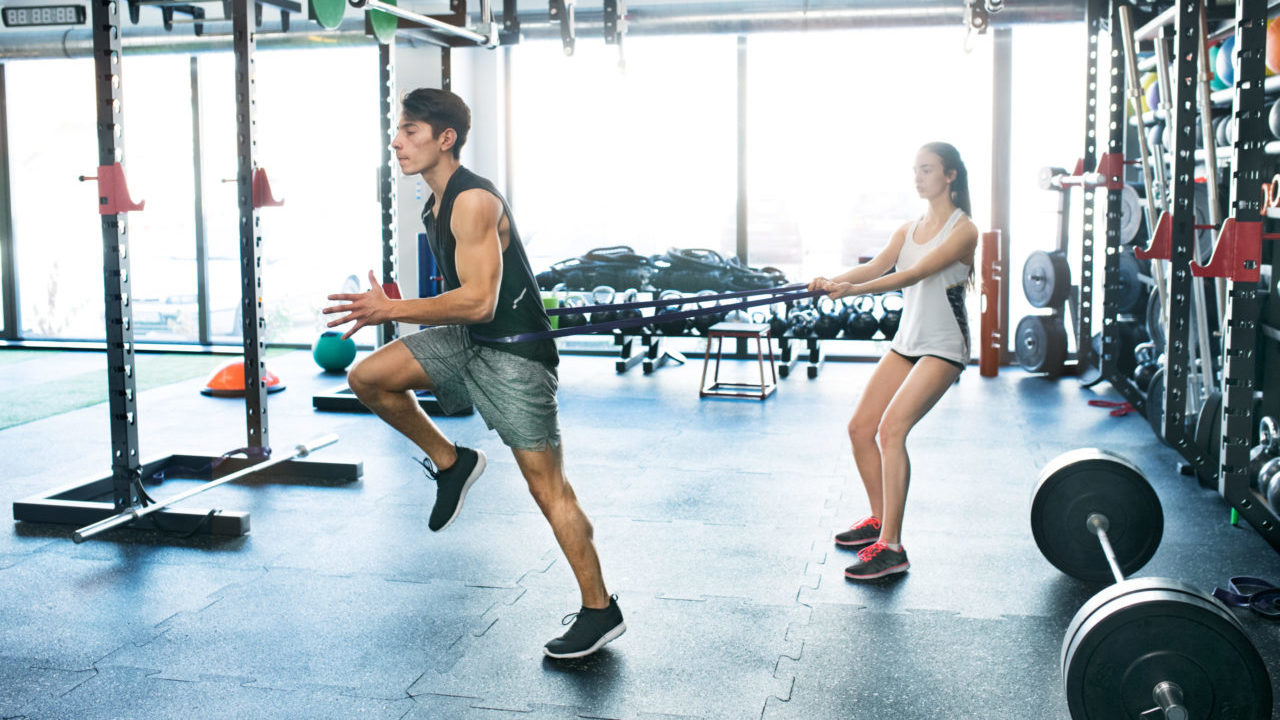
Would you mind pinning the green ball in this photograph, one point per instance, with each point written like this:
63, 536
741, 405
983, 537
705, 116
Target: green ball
333, 353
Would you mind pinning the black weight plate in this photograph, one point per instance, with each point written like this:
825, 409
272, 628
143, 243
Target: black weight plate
1090, 372
1155, 327
1136, 634
1208, 439
1129, 335
1155, 403
1040, 343
1129, 290
1046, 278
1082, 482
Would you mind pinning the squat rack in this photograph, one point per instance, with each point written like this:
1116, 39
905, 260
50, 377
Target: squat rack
81, 503
1236, 254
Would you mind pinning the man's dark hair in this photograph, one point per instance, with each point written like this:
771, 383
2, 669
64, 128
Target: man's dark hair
441, 110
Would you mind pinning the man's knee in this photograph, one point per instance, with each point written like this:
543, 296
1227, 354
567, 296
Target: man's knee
362, 380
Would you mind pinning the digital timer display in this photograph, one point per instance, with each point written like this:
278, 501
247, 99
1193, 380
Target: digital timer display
43, 15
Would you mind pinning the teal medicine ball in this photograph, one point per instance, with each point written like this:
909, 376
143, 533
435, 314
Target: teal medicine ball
1225, 65
332, 352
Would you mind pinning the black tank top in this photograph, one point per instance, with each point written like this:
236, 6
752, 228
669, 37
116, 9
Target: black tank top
520, 307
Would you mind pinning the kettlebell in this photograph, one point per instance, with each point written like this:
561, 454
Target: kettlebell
891, 304
1145, 363
573, 319
704, 322
629, 297
778, 321
1267, 449
800, 321
862, 323
1269, 481
827, 325
671, 327
603, 295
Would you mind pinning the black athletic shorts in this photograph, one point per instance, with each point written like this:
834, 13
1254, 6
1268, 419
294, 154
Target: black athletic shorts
913, 359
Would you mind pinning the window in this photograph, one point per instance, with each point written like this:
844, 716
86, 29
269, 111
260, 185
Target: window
319, 140
643, 155
56, 231
159, 162
834, 122
1048, 130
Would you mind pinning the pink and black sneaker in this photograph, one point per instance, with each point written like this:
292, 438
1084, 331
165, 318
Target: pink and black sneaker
863, 532
876, 561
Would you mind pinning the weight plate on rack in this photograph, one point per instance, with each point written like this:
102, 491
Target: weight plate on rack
1130, 214
1155, 328
1040, 344
1082, 482
1090, 369
1208, 439
1046, 278
1130, 291
1155, 403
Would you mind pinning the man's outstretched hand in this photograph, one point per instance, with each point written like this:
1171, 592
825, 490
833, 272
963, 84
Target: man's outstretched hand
367, 308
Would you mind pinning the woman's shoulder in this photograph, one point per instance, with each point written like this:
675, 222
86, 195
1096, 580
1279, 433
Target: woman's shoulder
965, 226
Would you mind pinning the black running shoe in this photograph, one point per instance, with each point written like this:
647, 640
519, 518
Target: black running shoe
876, 561
591, 630
452, 486
863, 532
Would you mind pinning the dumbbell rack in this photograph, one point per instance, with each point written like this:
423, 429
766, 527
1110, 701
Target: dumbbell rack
650, 357
790, 356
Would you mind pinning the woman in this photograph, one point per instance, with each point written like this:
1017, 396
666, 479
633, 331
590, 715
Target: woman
932, 263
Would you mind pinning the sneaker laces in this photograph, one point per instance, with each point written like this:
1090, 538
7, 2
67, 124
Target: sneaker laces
574, 615
428, 467
873, 521
870, 551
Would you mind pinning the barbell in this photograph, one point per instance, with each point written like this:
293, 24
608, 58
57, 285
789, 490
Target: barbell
1144, 647
133, 514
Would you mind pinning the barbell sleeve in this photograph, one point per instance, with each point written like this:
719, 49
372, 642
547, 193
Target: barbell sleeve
134, 514
1169, 697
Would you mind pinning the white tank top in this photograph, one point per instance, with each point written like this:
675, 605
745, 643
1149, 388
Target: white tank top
934, 318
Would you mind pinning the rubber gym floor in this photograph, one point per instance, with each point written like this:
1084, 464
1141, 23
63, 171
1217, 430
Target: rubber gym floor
713, 520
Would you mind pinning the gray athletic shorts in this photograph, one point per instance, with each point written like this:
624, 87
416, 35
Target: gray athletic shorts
516, 396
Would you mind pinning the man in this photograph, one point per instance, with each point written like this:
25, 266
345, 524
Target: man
489, 292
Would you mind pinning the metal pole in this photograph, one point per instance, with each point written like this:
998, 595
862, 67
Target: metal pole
1210, 158
122, 398
1135, 98
1181, 119
1098, 526
1093, 29
388, 120
202, 241
12, 319
128, 516
743, 247
1002, 160
254, 324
